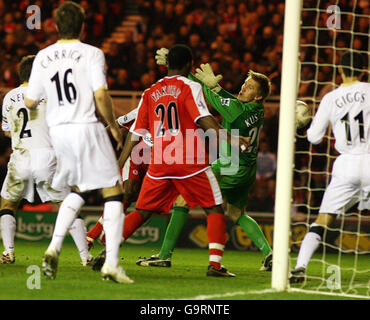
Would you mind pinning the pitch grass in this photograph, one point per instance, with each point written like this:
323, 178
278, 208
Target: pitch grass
186, 279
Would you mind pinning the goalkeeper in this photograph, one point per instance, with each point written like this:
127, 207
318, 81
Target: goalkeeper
245, 113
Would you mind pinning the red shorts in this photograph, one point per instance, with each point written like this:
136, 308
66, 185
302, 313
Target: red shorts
159, 194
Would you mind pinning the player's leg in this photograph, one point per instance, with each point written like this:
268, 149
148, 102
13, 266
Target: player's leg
179, 216
78, 233
180, 211
203, 189
309, 245
8, 226
67, 213
253, 230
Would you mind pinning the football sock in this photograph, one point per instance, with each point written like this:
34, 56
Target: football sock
132, 222
174, 228
216, 231
67, 213
96, 230
253, 230
7, 223
78, 233
309, 245
113, 225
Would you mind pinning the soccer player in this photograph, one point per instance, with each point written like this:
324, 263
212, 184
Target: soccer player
71, 75
347, 109
245, 113
133, 173
31, 162
173, 110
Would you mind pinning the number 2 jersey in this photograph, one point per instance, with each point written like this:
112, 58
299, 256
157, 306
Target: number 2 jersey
67, 73
347, 109
27, 127
169, 110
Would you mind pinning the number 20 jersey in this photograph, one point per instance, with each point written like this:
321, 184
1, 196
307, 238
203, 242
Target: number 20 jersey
67, 73
169, 111
27, 127
347, 109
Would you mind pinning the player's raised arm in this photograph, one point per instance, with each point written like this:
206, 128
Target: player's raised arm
320, 123
35, 90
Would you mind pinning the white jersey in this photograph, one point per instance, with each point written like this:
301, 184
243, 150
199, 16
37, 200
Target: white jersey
67, 73
347, 109
27, 127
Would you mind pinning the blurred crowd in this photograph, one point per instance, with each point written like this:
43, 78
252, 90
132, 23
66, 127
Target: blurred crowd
233, 35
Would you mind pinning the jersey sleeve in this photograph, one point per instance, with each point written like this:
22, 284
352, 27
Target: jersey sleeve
319, 123
5, 124
195, 103
140, 127
35, 89
97, 76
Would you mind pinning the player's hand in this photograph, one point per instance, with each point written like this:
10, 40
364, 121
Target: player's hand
206, 75
161, 57
244, 143
117, 135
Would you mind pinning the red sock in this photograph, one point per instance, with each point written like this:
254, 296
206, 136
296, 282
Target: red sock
216, 231
132, 222
96, 230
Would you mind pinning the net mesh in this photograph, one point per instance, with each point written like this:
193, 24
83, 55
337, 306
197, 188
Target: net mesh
342, 263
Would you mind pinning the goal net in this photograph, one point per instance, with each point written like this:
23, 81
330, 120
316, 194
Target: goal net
341, 265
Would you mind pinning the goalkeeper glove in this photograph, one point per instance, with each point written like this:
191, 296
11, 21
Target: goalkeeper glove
161, 57
206, 75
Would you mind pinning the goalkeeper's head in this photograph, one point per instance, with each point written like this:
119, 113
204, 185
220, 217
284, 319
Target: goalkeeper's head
25, 67
69, 20
256, 88
351, 64
180, 60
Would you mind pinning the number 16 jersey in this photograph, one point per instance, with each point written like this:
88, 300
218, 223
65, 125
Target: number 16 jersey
67, 73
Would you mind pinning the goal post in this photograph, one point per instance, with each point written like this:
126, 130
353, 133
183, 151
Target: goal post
285, 155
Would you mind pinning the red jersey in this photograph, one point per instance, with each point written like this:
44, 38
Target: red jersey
169, 110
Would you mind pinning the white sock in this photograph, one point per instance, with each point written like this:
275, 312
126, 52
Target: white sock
309, 245
66, 216
78, 233
113, 228
8, 231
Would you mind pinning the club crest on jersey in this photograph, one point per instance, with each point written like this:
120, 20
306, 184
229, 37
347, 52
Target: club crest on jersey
225, 102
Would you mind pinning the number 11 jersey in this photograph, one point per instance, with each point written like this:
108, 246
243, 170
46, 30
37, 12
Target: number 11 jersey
68, 73
347, 109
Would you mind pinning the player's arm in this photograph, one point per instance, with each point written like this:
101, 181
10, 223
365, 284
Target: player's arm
5, 126
35, 90
319, 123
137, 130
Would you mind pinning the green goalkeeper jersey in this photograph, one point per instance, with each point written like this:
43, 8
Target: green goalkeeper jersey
248, 118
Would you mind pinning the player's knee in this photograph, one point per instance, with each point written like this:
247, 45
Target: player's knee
4, 212
180, 202
315, 228
234, 213
145, 214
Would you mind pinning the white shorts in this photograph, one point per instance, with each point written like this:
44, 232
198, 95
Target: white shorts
350, 184
26, 168
85, 157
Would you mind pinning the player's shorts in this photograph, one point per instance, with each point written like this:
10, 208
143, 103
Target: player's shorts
159, 194
85, 157
26, 168
235, 187
350, 184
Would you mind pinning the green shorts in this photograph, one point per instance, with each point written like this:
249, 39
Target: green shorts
235, 186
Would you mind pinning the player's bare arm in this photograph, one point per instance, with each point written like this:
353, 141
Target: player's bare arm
30, 104
104, 103
130, 143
